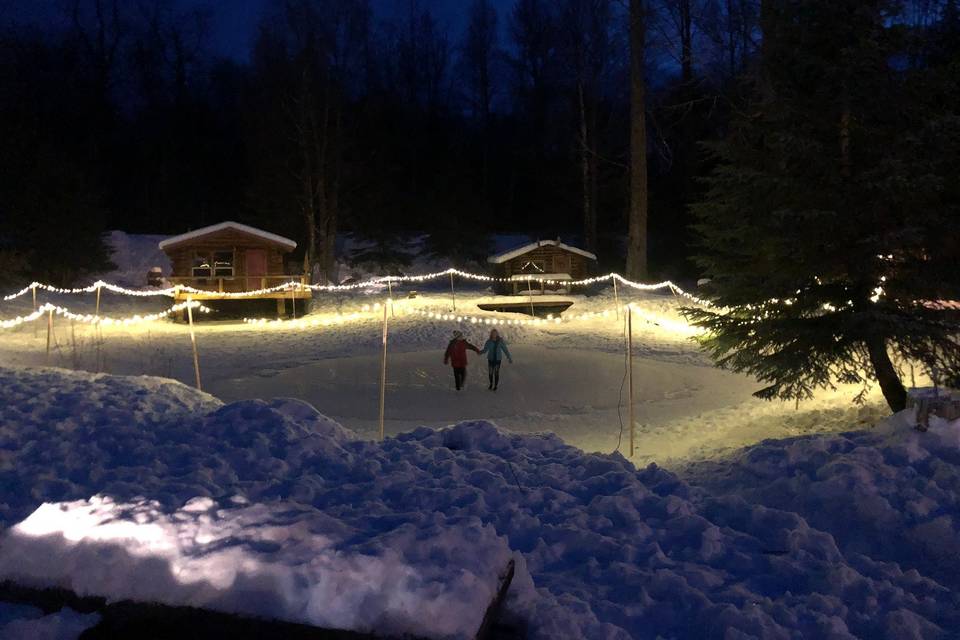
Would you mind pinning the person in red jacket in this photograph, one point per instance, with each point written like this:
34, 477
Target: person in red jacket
456, 355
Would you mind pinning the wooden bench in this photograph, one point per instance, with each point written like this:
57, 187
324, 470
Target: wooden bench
946, 406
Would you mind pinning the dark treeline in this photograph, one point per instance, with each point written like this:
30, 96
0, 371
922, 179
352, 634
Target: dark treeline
344, 120
347, 121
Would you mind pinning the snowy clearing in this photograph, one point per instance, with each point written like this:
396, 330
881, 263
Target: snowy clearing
265, 507
567, 378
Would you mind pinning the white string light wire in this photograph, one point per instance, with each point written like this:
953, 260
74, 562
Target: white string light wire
878, 292
373, 282
169, 291
371, 312
89, 318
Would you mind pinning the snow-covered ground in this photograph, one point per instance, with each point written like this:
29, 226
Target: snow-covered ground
159, 492
566, 378
785, 520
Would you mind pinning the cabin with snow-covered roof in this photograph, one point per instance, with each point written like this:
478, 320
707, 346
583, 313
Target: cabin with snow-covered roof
229, 258
547, 259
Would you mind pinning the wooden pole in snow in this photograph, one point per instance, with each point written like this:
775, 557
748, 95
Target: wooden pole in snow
530, 296
98, 338
293, 301
629, 313
390, 296
453, 294
49, 331
34, 310
383, 371
98, 302
616, 296
193, 342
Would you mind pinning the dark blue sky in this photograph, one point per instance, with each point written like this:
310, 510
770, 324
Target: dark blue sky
235, 21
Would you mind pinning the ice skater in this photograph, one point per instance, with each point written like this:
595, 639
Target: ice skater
493, 347
456, 355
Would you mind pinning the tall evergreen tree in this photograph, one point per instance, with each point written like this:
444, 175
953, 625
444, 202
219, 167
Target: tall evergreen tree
829, 228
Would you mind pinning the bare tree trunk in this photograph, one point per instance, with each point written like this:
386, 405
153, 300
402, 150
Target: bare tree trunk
747, 21
305, 135
333, 199
686, 43
845, 162
321, 142
637, 233
891, 386
732, 33
589, 219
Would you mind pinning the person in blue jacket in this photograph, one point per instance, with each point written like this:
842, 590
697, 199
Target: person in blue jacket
493, 347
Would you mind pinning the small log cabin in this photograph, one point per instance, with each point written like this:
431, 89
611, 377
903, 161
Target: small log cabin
230, 257
550, 259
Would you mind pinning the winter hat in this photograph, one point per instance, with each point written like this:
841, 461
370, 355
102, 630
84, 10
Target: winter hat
457, 334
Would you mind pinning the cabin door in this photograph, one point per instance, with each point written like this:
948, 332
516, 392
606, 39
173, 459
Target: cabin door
256, 267
561, 264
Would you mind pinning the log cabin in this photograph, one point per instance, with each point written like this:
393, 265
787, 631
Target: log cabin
549, 259
230, 257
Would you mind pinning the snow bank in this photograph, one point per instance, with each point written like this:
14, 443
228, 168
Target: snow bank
891, 493
279, 561
20, 621
63, 433
604, 551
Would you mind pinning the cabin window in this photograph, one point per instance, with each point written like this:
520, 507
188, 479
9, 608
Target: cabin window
223, 264
201, 266
533, 266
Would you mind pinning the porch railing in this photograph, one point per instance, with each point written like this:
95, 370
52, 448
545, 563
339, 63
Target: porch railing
236, 284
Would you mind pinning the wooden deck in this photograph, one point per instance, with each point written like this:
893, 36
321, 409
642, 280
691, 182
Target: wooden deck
536, 305
231, 288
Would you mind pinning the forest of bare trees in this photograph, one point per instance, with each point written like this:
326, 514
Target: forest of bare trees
578, 118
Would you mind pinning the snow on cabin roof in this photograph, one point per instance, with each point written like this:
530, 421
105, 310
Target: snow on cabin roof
253, 231
519, 251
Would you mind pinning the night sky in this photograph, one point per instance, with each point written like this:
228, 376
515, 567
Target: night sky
235, 21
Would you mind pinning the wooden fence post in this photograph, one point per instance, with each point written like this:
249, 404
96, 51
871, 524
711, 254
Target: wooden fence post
390, 296
453, 294
49, 331
616, 296
383, 372
193, 342
530, 295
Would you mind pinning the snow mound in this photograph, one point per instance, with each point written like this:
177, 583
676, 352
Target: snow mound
279, 561
20, 621
603, 551
891, 493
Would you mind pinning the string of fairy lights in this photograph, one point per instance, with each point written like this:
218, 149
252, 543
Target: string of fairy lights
178, 290
292, 285
89, 318
373, 313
